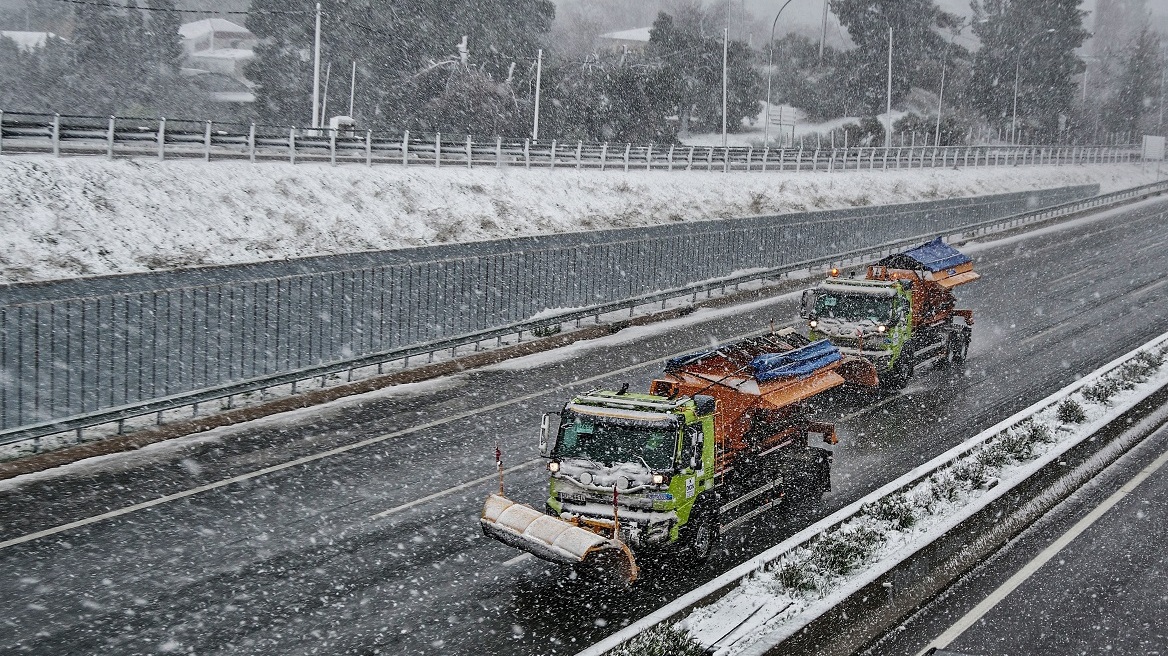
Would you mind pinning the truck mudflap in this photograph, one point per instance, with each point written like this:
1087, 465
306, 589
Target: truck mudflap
554, 539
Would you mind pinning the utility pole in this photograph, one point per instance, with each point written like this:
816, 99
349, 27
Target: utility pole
1014, 120
316, 73
888, 132
725, 52
538, 81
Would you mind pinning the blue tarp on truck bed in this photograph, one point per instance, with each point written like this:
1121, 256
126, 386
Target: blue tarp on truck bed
935, 255
800, 362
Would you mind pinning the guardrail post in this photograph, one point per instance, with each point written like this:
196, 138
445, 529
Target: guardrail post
603, 154
649, 158
56, 135
161, 138
437, 149
553, 165
109, 150
469, 155
670, 157
369, 148
710, 159
1, 131
815, 160
799, 157
628, 147
405, 146
207, 143
831, 161
689, 159
884, 165
579, 147
498, 151
765, 151
527, 152
749, 155
291, 145
251, 143
333, 147
726, 159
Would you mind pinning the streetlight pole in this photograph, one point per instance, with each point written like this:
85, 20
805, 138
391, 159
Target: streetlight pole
771, 72
316, 73
1017, 73
538, 80
725, 51
888, 132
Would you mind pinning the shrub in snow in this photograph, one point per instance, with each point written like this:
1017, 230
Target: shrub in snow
794, 577
1070, 412
844, 549
972, 471
895, 509
660, 640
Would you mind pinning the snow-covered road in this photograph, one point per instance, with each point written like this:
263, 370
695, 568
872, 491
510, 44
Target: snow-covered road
294, 561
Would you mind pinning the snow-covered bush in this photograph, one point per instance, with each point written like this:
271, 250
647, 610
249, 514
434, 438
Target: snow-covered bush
660, 640
896, 509
1070, 412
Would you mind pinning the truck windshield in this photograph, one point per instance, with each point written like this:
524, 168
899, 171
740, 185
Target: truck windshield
854, 308
609, 442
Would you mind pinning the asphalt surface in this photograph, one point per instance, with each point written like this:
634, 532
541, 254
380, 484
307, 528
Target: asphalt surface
1099, 589
294, 561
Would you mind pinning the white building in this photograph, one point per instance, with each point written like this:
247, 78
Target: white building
216, 52
28, 41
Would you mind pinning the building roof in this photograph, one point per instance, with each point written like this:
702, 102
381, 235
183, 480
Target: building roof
211, 25
636, 34
224, 53
27, 41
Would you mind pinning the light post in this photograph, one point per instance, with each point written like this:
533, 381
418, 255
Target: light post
1017, 74
888, 132
770, 74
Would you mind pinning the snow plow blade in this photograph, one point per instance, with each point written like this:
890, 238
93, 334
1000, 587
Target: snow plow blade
554, 539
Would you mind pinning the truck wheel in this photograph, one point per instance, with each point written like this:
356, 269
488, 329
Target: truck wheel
960, 348
701, 536
897, 377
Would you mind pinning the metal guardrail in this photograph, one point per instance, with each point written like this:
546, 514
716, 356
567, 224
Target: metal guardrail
113, 136
553, 323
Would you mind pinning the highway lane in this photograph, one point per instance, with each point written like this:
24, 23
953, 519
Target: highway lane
291, 561
1089, 577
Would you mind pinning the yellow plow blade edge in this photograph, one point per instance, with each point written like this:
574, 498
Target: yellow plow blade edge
554, 539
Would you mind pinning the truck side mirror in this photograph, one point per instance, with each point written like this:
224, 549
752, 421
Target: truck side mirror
547, 441
807, 305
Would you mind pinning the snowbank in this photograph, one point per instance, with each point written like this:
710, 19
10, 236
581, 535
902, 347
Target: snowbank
73, 217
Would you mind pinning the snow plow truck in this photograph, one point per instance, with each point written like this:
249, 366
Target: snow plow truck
902, 316
723, 436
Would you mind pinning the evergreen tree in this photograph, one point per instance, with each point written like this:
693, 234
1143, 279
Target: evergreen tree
1139, 87
692, 62
1031, 42
917, 50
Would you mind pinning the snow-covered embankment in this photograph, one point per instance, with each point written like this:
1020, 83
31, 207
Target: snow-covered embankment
71, 217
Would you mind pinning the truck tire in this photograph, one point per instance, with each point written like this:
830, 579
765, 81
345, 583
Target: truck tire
961, 347
700, 536
897, 377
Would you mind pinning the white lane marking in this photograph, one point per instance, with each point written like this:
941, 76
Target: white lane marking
970, 618
331, 452
456, 488
518, 559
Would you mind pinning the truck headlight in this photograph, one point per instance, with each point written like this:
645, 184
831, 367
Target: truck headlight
553, 466
660, 479
881, 328
813, 323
